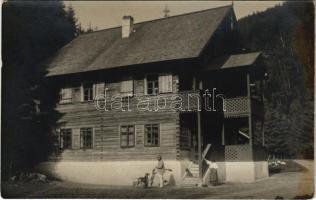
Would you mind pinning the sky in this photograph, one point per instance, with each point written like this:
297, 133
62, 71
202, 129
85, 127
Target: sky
107, 14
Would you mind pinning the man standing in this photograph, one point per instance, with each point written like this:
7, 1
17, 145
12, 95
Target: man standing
160, 168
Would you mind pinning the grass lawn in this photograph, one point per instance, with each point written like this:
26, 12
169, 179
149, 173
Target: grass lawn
287, 184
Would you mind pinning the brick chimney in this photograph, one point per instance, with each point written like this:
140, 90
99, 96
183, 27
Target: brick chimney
127, 26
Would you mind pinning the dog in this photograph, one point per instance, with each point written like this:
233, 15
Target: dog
142, 181
152, 177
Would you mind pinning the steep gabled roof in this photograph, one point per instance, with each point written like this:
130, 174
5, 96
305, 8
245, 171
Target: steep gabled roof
178, 37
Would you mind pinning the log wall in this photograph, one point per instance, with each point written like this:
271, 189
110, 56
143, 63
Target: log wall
106, 128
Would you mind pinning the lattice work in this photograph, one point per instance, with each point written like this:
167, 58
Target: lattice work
239, 104
238, 152
231, 154
235, 106
191, 101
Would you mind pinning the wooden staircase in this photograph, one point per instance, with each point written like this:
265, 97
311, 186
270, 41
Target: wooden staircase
191, 176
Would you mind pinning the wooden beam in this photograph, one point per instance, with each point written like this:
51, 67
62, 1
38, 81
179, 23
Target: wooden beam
250, 111
199, 142
262, 120
262, 129
200, 136
223, 132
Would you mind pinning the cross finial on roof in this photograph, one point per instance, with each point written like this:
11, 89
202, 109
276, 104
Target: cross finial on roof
166, 11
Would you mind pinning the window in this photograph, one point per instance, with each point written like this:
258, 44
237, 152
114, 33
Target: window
65, 138
87, 92
86, 138
65, 95
127, 136
127, 88
152, 135
152, 84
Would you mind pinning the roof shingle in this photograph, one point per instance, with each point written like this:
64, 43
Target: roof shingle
177, 37
238, 60
233, 61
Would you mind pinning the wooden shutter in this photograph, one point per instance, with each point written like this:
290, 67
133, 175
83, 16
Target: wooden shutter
65, 95
76, 94
127, 88
165, 83
145, 86
82, 93
99, 89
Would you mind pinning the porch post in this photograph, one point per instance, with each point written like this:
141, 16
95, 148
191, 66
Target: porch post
262, 129
262, 120
223, 133
200, 136
249, 107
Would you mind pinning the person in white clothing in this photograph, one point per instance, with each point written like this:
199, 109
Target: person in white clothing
160, 168
213, 172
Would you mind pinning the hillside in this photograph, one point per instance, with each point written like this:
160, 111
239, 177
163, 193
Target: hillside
285, 34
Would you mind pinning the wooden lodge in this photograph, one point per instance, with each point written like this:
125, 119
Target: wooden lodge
180, 87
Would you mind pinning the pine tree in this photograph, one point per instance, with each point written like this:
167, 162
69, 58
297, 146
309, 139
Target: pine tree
32, 31
282, 33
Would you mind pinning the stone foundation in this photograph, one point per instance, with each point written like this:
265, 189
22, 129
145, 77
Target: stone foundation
126, 172
246, 171
108, 172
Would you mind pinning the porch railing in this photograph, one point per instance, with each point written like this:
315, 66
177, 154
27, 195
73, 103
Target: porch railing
242, 152
236, 107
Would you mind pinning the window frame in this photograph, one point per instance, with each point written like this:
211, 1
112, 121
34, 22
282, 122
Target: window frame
62, 140
146, 84
127, 134
82, 138
146, 135
90, 91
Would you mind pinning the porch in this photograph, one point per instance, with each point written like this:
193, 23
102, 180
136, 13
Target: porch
230, 131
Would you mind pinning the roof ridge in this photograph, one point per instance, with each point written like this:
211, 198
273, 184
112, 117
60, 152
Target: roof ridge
164, 18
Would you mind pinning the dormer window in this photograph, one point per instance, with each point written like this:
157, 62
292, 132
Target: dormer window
87, 91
